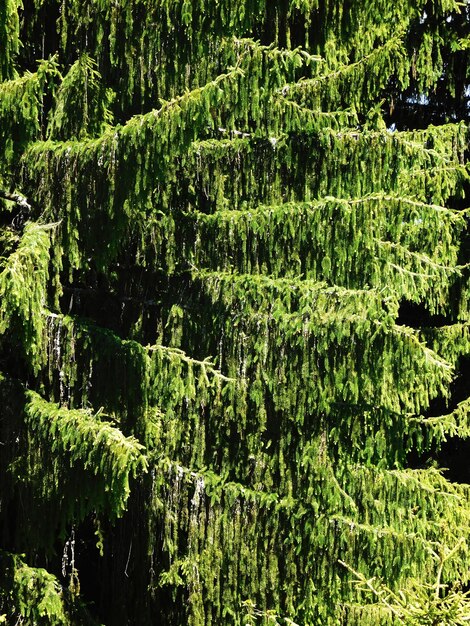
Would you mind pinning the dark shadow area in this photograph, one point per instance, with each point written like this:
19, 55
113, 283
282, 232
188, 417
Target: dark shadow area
454, 454
416, 315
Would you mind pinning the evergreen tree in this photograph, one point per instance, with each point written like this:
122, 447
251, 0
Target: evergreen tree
234, 323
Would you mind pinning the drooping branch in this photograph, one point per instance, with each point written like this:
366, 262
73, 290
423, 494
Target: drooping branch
15, 197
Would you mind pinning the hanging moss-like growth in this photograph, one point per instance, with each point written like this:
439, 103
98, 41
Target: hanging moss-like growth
234, 320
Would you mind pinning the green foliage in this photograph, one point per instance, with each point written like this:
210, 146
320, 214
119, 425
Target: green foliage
226, 349
23, 291
9, 36
21, 106
81, 105
454, 424
79, 439
421, 604
185, 48
247, 533
30, 595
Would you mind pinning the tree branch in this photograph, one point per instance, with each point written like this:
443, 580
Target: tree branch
14, 197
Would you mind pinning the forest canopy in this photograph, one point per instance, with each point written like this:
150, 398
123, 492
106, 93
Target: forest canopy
234, 320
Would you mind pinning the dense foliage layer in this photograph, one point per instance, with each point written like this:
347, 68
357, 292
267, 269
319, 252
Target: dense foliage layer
234, 322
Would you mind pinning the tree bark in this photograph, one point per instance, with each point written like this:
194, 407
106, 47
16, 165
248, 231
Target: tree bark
14, 197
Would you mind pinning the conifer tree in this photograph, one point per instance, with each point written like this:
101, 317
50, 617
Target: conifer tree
234, 322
